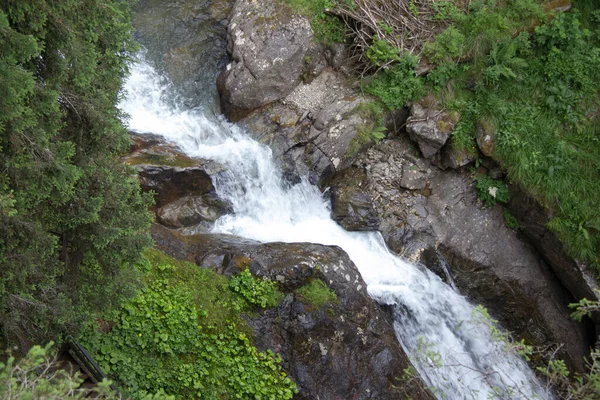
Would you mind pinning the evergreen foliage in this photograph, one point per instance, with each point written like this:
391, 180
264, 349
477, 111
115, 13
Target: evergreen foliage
72, 218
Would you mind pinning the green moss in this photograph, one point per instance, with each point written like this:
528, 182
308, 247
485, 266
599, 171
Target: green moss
327, 28
510, 221
317, 294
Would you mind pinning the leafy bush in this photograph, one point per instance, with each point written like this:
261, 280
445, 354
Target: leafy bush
166, 339
380, 52
317, 294
447, 46
397, 85
256, 291
38, 375
491, 191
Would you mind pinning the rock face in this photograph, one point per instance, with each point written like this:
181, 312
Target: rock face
184, 193
488, 262
341, 351
268, 44
575, 276
314, 129
429, 127
351, 207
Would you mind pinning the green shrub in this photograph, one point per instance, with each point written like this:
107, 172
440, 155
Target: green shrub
316, 293
39, 375
510, 220
447, 46
491, 191
256, 291
72, 218
169, 338
397, 85
381, 52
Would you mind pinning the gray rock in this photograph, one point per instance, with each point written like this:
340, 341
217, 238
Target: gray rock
268, 44
351, 207
456, 158
323, 142
429, 127
184, 196
576, 276
486, 139
193, 211
344, 350
490, 263
413, 178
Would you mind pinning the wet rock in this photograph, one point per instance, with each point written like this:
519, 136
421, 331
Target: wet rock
344, 350
172, 183
183, 190
351, 206
184, 197
493, 266
193, 211
429, 127
490, 263
151, 149
268, 44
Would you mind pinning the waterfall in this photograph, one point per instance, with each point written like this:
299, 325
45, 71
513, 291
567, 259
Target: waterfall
453, 347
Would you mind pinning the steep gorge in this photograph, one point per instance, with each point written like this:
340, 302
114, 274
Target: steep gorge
421, 209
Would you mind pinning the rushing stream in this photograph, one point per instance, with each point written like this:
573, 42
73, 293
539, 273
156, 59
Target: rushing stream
451, 345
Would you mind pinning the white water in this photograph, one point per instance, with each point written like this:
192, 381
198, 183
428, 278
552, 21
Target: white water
449, 343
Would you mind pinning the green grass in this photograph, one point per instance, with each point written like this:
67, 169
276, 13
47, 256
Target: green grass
538, 93
317, 294
327, 28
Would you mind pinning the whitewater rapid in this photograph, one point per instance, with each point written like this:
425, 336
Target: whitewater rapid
449, 342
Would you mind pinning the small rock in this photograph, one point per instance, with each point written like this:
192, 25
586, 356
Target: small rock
413, 178
486, 139
430, 128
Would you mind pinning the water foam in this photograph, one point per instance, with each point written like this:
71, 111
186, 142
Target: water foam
451, 346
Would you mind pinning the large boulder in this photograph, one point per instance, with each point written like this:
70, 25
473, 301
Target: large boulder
345, 350
268, 43
430, 128
317, 129
184, 194
445, 224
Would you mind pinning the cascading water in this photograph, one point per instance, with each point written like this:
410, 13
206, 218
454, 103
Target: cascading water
453, 348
